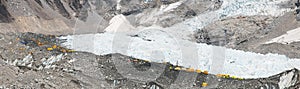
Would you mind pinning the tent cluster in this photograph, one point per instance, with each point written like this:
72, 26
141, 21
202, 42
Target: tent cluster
227, 76
44, 41
174, 68
204, 84
61, 49
178, 68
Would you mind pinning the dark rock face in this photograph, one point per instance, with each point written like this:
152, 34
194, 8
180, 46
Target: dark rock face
298, 17
106, 8
5, 16
61, 9
203, 37
44, 16
81, 9
190, 13
39, 2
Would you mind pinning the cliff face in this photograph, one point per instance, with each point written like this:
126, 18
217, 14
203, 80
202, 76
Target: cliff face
5, 16
44, 16
63, 16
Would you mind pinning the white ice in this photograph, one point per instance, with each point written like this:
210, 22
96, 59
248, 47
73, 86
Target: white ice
172, 44
289, 37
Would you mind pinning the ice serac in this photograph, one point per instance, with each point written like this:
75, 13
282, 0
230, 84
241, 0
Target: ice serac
231, 8
288, 79
119, 23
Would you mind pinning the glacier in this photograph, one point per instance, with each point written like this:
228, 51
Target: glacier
173, 44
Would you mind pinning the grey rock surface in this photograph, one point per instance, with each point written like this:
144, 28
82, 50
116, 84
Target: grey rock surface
251, 34
62, 16
77, 70
36, 59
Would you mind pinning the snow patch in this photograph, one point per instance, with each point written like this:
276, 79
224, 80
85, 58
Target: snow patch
287, 80
118, 5
28, 61
173, 6
289, 37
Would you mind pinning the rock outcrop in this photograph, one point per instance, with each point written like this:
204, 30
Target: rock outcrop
63, 16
